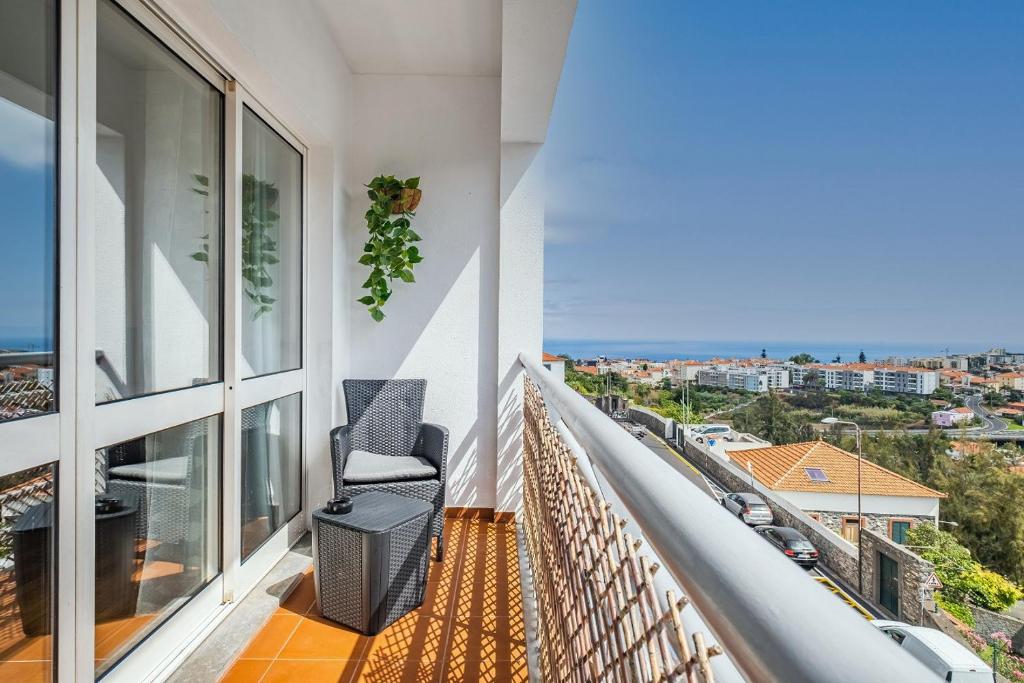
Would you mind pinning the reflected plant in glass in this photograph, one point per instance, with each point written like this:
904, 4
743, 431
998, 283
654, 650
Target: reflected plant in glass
259, 247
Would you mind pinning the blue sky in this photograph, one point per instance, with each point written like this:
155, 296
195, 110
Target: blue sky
789, 170
26, 227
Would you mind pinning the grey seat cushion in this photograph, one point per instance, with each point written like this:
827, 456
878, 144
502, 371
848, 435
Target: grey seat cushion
363, 467
165, 471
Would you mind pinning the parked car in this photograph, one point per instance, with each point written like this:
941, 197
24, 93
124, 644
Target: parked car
748, 507
710, 430
791, 542
937, 651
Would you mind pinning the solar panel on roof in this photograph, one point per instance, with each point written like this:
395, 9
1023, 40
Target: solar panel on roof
815, 474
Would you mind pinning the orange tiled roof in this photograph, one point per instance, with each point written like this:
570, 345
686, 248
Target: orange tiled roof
781, 468
963, 410
587, 369
1011, 375
547, 357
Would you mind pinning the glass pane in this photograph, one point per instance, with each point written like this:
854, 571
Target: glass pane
27, 574
157, 539
271, 250
28, 178
271, 468
158, 210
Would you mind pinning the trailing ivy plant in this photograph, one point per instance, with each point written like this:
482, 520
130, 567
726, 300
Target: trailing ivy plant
259, 249
390, 252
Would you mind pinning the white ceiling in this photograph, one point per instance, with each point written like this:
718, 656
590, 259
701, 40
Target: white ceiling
429, 37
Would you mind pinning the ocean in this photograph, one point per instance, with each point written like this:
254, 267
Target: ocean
704, 350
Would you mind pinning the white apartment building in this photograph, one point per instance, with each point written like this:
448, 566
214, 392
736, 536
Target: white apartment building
906, 380
686, 370
749, 379
864, 377
848, 377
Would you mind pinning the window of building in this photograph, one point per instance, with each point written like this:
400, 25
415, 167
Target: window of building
898, 529
271, 468
27, 576
157, 544
158, 215
816, 474
271, 250
28, 229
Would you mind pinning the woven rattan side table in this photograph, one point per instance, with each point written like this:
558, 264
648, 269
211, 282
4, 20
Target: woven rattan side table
371, 564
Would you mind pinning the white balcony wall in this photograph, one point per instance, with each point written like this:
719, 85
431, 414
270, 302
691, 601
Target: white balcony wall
444, 129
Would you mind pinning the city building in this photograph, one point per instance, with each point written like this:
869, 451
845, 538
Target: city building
906, 380
686, 370
951, 417
756, 379
821, 480
555, 364
1013, 381
867, 376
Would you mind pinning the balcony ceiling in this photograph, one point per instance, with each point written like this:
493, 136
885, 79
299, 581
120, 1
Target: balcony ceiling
440, 37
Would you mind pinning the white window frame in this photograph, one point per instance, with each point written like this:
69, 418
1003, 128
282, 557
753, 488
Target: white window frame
241, 577
111, 423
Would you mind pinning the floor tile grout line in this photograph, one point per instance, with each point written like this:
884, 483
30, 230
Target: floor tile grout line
281, 649
450, 612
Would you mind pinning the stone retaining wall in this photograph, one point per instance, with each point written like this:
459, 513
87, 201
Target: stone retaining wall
662, 426
988, 622
835, 552
913, 571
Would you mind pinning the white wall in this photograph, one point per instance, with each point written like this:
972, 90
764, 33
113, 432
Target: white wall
444, 327
882, 505
520, 303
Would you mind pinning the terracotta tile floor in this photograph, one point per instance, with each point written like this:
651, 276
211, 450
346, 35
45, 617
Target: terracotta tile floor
470, 627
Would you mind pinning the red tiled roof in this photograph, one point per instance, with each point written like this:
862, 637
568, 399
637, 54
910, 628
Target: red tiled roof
782, 468
548, 358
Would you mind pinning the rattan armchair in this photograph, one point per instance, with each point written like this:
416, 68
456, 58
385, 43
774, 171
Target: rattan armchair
386, 446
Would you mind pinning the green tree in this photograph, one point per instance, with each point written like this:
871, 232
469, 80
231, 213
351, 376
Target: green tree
964, 580
803, 359
985, 501
764, 353
770, 419
862, 358
665, 384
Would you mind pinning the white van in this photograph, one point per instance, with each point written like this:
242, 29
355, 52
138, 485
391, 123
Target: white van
937, 651
703, 432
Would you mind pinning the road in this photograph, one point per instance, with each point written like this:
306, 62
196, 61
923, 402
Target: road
992, 424
672, 456
994, 427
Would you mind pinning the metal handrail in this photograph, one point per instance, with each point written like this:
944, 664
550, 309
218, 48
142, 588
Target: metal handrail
774, 623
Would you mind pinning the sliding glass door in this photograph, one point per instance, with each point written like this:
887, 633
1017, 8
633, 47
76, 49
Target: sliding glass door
158, 235
151, 339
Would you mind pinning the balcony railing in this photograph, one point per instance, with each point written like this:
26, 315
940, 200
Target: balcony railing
602, 614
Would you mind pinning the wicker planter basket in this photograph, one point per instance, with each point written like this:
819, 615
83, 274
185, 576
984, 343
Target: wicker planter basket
407, 201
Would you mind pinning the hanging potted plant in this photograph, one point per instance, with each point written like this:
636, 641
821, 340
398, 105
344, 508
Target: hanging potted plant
390, 252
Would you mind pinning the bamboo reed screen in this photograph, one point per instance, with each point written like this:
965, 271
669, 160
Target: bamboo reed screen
597, 609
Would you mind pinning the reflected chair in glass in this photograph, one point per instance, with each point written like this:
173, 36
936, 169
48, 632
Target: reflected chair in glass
387, 447
161, 486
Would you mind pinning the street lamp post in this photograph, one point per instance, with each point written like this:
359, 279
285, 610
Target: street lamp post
860, 457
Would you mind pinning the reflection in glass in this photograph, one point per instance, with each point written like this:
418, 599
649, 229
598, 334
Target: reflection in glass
158, 216
271, 468
27, 574
28, 176
271, 250
156, 531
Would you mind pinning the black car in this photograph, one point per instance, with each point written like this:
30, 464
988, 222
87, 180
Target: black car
791, 542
